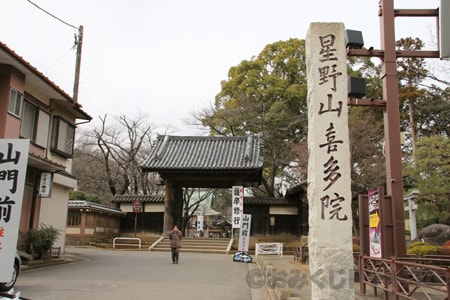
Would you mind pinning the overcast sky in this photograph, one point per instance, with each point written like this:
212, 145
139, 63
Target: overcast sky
166, 58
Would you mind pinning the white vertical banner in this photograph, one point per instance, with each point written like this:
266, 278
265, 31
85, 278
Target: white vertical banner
329, 165
237, 206
13, 167
199, 223
244, 236
45, 185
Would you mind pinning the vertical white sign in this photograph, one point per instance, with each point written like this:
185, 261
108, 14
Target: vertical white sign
13, 166
244, 236
45, 186
199, 224
329, 190
237, 206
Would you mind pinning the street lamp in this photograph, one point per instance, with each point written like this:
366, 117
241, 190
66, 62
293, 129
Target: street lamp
354, 39
356, 87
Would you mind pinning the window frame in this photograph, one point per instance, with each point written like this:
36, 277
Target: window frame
31, 124
74, 219
38, 133
17, 109
57, 134
42, 128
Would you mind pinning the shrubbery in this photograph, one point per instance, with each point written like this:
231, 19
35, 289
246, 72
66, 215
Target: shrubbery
421, 248
38, 242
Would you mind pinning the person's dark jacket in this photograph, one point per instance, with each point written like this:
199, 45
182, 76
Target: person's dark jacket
175, 239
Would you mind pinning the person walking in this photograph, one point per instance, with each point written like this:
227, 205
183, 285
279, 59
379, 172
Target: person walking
175, 243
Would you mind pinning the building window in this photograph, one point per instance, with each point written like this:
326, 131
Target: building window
63, 135
42, 129
28, 121
15, 102
35, 124
73, 219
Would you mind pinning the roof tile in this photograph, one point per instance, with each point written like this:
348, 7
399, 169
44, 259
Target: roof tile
205, 153
141, 198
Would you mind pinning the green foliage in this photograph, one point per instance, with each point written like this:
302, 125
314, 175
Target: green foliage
366, 146
432, 112
433, 166
444, 215
79, 195
266, 96
416, 244
431, 175
420, 248
427, 214
38, 242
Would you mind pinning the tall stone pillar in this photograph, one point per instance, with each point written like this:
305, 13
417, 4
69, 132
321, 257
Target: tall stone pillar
329, 182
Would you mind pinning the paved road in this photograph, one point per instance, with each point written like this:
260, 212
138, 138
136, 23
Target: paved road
112, 274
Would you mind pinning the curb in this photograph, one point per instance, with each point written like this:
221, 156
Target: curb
41, 263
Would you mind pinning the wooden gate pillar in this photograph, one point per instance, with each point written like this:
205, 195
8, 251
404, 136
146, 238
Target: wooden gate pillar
173, 206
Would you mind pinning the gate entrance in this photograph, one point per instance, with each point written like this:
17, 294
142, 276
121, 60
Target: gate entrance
202, 162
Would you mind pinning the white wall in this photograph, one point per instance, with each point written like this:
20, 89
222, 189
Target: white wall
53, 211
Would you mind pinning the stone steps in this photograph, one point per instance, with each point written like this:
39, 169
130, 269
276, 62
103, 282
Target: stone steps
206, 245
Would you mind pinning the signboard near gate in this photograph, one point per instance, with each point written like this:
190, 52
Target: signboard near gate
237, 194
137, 206
45, 185
244, 236
199, 224
374, 223
13, 166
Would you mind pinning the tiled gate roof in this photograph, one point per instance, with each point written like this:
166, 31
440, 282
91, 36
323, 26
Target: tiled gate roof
172, 153
141, 198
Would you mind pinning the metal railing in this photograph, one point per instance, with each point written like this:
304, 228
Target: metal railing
126, 244
406, 278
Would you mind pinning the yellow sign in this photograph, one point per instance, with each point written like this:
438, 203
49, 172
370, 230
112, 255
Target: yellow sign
374, 220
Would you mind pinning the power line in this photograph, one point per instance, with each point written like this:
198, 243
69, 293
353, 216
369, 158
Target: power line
78, 44
52, 15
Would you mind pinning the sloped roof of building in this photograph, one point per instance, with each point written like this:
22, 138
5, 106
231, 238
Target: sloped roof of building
207, 211
37, 79
83, 204
294, 196
205, 153
268, 201
141, 198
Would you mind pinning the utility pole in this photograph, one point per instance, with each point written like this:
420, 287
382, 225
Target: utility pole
388, 54
394, 177
79, 44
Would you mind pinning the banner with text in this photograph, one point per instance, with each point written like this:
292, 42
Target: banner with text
199, 223
13, 166
374, 223
45, 185
237, 205
244, 236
